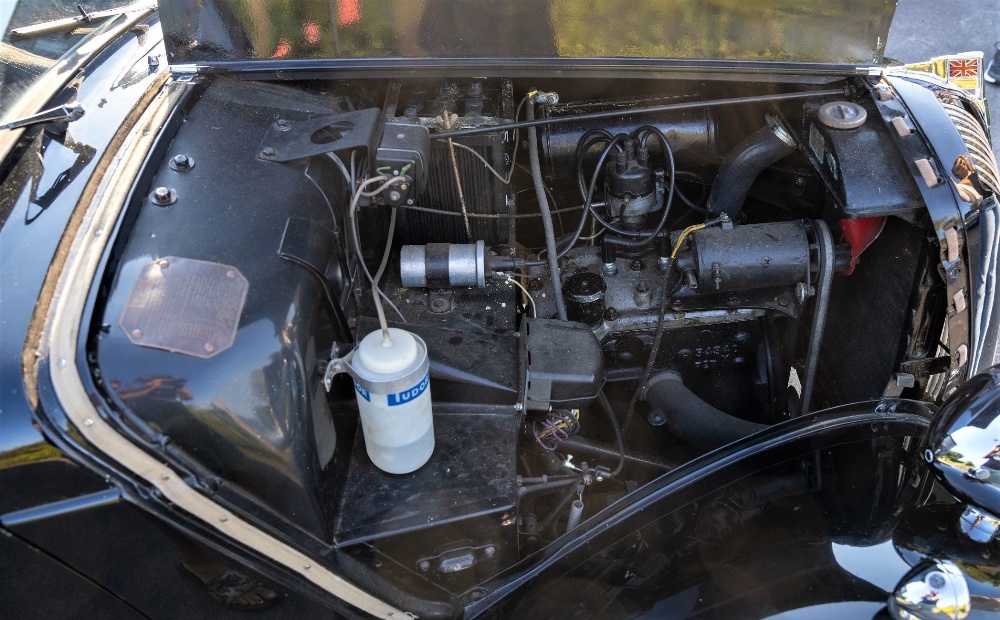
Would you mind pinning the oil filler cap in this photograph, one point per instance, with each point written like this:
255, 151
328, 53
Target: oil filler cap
842, 115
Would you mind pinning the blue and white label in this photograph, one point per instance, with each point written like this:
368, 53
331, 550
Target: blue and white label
411, 394
362, 391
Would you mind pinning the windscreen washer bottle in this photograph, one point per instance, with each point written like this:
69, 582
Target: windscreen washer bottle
392, 385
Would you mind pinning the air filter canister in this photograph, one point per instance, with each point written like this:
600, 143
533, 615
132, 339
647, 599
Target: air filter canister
392, 382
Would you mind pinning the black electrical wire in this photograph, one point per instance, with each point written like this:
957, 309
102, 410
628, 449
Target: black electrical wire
543, 208
584, 145
586, 208
618, 113
668, 155
694, 205
657, 341
616, 427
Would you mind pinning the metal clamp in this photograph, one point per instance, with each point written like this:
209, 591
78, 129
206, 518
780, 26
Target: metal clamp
337, 366
388, 385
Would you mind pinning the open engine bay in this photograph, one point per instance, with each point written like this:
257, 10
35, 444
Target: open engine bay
593, 281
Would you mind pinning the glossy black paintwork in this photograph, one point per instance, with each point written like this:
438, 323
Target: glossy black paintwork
664, 503
248, 415
113, 531
72, 541
37, 198
930, 533
964, 443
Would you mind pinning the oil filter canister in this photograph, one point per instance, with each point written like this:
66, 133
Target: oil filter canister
584, 293
392, 382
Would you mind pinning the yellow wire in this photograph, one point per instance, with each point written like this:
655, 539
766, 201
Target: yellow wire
534, 310
680, 240
562, 425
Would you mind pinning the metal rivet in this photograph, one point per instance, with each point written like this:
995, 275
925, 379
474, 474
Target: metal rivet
88, 422
424, 565
231, 273
491, 551
223, 518
137, 333
98, 232
62, 363
165, 477
209, 347
268, 151
307, 566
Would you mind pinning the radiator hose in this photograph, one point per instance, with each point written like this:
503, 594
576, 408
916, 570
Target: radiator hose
692, 419
744, 164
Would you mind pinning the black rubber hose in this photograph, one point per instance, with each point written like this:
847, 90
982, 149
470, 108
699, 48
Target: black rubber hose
543, 207
586, 209
691, 418
744, 164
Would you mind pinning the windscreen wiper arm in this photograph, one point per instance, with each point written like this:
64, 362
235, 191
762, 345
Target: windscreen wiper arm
69, 23
66, 113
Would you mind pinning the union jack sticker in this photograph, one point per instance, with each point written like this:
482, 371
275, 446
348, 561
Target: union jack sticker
962, 70
963, 67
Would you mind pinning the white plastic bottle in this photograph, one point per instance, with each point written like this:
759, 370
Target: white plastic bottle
392, 382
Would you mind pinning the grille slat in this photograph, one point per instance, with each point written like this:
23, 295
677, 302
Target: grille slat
978, 144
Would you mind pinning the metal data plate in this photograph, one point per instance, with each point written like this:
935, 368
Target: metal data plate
186, 306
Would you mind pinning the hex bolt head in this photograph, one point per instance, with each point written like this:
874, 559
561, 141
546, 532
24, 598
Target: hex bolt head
642, 286
181, 162
636, 265
282, 124
395, 196
163, 196
611, 314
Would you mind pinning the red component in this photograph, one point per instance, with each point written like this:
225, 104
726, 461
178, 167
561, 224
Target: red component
860, 233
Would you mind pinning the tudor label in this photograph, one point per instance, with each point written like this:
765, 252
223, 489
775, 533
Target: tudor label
406, 396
